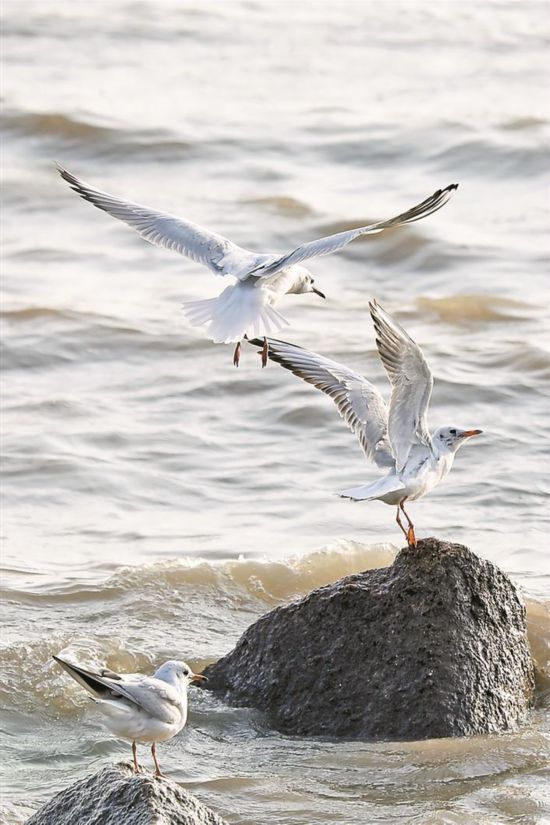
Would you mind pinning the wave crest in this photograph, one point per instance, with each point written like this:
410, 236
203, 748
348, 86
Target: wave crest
270, 580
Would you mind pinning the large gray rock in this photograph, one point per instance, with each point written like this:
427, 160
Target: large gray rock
116, 796
433, 646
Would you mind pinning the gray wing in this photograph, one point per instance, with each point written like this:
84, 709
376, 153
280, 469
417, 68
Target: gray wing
332, 243
219, 254
156, 697
358, 401
411, 381
136, 689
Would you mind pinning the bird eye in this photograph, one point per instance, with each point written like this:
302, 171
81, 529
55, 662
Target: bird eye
453, 432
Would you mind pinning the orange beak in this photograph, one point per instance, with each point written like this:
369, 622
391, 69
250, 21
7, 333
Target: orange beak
198, 677
470, 433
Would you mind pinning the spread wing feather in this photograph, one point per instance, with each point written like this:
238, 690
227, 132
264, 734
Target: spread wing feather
358, 401
220, 255
411, 381
332, 243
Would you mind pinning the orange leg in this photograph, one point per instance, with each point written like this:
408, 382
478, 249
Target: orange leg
411, 538
265, 350
400, 523
134, 754
154, 754
237, 354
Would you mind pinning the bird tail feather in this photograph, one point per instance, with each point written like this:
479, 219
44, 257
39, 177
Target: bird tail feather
236, 312
377, 489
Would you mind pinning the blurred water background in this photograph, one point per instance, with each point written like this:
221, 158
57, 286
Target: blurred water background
156, 500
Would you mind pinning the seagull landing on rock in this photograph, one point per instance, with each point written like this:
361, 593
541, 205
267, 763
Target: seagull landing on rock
396, 439
245, 308
139, 708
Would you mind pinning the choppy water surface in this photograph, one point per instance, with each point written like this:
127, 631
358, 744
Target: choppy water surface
157, 501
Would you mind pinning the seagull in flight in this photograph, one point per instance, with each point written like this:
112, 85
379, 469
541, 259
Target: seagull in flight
396, 438
246, 307
139, 708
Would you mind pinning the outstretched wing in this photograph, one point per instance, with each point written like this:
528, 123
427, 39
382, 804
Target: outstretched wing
332, 243
219, 254
358, 401
411, 381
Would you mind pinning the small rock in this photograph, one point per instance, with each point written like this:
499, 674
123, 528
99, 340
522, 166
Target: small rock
116, 796
434, 645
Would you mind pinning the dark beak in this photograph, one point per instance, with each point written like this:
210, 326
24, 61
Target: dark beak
318, 292
470, 433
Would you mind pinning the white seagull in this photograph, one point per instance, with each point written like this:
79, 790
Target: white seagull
396, 439
246, 308
139, 708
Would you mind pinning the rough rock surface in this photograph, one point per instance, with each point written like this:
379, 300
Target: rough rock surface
116, 796
433, 646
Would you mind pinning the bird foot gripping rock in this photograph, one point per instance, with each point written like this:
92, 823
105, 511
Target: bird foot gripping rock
434, 645
117, 796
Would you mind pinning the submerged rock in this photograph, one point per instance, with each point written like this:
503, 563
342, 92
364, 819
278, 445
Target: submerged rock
434, 645
116, 796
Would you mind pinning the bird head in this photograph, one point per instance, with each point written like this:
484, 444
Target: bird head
177, 672
304, 282
449, 439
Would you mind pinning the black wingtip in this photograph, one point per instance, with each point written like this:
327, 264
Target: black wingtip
66, 175
73, 182
375, 308
450, 188
61, 662
259, 342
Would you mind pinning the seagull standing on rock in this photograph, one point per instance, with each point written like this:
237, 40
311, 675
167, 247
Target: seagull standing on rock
245, 308
139, 708
395, 438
